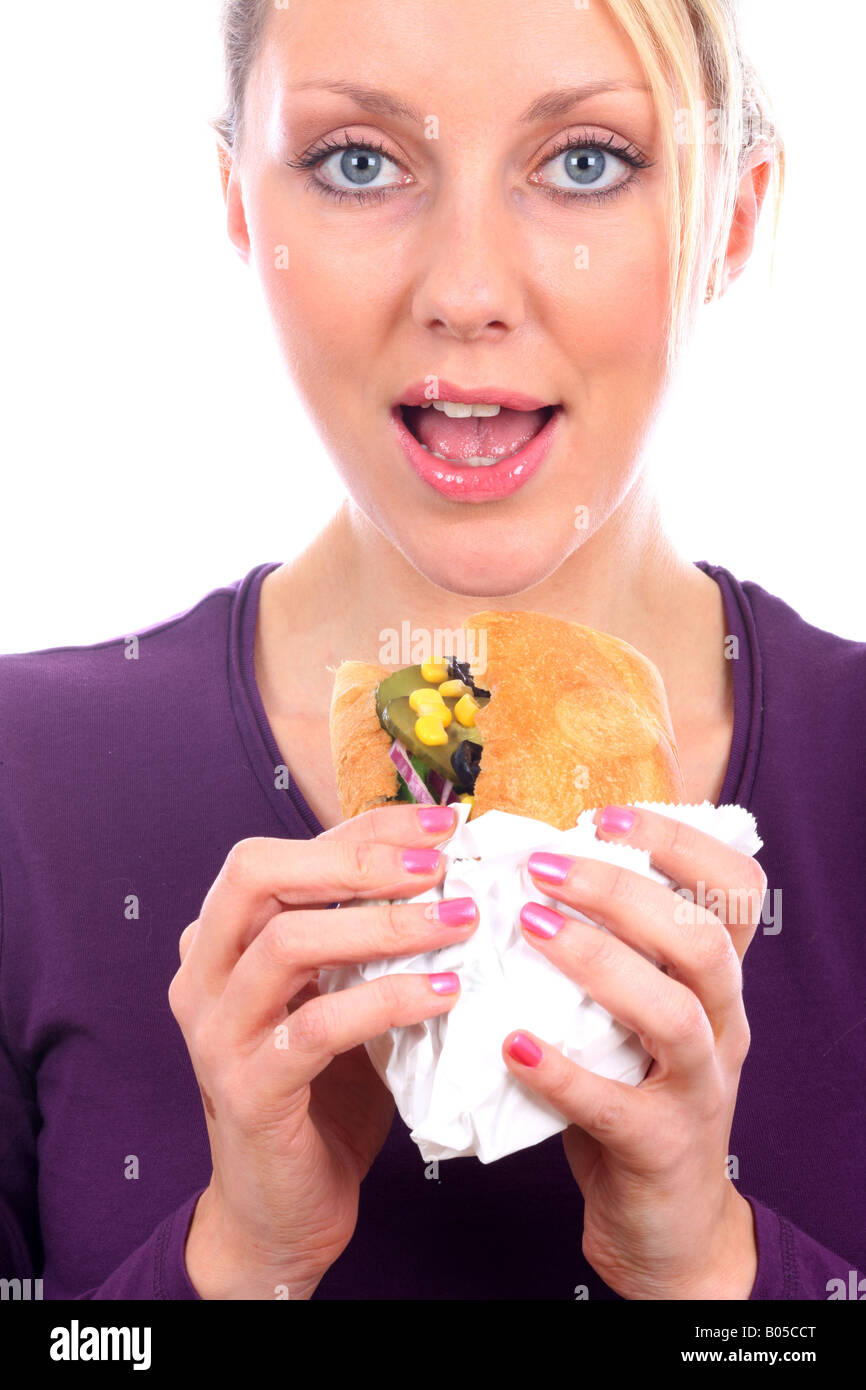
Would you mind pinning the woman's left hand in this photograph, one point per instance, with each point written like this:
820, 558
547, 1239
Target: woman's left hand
662, 1218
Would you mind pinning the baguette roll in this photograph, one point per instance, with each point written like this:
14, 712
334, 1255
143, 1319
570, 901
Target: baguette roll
576, 719
366, 777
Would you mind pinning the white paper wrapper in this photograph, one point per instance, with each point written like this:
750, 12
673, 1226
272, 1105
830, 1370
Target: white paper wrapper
446, 1074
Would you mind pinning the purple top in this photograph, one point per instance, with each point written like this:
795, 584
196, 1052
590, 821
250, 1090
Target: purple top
124, 782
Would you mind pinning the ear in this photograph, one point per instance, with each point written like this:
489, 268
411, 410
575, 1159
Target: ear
236, 222
225, 163
747, 211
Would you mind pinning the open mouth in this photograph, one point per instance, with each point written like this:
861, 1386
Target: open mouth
476, 436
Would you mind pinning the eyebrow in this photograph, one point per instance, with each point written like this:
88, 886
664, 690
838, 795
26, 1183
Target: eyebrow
551, 104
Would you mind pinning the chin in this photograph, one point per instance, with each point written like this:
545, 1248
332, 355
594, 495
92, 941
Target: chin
495, 569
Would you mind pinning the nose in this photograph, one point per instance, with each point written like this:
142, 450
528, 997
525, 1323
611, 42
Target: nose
469, 284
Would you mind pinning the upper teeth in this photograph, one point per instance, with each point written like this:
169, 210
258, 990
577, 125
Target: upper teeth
459, 409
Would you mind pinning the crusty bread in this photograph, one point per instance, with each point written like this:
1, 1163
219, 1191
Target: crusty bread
576, 719
359, 745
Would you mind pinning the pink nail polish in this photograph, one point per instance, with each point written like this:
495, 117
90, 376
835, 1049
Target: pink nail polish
420, 861
541, 920
616, 820
524, 1050
553, 867
435, 819
446, 982
455, 912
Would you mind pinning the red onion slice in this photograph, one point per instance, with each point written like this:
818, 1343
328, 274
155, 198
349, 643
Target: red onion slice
435, 783
440, 787
399, 757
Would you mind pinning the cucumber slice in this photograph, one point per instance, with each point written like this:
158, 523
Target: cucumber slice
397, 716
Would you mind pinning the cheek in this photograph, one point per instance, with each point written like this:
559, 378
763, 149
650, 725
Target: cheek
610, 295
610, 311
325, 285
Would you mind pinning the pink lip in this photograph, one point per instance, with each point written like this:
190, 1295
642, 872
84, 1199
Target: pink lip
419, 394
462, 483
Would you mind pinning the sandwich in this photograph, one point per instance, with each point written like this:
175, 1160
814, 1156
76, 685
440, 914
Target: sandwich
560, 719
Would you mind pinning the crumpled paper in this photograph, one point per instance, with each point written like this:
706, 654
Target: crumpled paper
446, 1074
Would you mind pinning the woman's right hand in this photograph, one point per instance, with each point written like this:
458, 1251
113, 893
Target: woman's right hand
295, 1110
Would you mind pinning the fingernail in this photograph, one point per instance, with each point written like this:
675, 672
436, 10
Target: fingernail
435, 819
446, 982
554, 867
452, 912
420, 861
541, 920
616, 820
524, 1050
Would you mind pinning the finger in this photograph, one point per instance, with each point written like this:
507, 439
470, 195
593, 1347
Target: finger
667, 1017
688, 939
295, 944
262, 875
721, 878
397, 824
613, 1113
317, 1032
185, 939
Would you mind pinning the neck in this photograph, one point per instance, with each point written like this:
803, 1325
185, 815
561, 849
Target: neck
333, 602
336, 601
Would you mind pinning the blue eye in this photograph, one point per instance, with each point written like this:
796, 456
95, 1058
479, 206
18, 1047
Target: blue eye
349, 169
587, 166
359, 165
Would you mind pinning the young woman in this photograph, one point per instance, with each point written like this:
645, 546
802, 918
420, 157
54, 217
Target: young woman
484, 204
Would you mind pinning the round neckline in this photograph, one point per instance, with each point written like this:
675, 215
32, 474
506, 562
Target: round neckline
255, 729
289, 803
742, 766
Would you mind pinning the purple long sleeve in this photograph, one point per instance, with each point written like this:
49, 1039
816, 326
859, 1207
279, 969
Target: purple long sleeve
128, 769
791, 1265
156, 1270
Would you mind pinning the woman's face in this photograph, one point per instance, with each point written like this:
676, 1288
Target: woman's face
458, 245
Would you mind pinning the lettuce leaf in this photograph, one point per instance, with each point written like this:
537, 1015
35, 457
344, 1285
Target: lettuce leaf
403, 792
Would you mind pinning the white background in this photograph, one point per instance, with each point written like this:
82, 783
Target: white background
150, 434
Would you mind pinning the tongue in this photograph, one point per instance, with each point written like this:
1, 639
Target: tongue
485, 436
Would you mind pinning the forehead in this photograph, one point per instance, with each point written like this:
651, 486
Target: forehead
469, 61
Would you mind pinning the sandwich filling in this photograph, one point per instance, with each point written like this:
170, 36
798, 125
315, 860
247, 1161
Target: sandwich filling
429, 711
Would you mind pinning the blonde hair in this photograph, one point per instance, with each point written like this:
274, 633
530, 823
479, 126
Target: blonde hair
691, 52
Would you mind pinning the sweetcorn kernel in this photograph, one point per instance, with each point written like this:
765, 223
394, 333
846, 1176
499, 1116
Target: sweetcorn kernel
440, 712
434, 671
425, 695
464, 711
452, 690
430, 730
